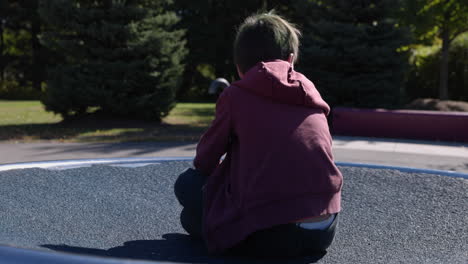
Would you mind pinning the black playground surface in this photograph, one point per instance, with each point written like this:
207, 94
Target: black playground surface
388, 216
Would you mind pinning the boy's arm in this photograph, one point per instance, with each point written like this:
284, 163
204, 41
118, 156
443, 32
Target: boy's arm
215, 141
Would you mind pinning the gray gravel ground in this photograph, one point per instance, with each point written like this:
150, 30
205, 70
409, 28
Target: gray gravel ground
388, 216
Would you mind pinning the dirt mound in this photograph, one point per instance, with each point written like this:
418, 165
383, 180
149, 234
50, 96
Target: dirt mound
438, 105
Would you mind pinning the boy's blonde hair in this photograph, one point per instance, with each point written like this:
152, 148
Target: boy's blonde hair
265, 37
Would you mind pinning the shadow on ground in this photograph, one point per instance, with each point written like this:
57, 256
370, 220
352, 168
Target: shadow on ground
129, 148
174, 247
460, 167
105, 131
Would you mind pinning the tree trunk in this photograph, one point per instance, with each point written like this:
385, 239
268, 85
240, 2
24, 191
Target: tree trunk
443, 80
2, 63
31, 16
187, 81
37, 66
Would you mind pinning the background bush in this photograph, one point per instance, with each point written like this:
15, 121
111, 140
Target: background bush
12, 90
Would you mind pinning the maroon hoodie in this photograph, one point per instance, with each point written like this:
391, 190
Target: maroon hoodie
278, 168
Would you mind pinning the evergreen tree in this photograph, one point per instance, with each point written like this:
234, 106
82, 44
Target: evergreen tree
349, 51
123, 57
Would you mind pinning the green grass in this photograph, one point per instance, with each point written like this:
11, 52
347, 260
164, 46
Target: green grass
26, 121
197, 114
25, 112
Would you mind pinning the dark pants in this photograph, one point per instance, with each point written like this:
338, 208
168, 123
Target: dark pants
188, 190
283, 240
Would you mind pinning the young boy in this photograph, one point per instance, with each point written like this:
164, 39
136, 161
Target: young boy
277, 192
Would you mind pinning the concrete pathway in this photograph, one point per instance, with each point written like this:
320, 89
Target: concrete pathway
417, 154
406, 153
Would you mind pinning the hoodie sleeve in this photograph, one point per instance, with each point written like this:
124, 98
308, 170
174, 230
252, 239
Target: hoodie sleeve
215, 141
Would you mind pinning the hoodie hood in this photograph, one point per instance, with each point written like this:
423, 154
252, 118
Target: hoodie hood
278, 81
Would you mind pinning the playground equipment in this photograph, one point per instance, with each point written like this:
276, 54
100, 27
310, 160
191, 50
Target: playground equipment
115, 211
